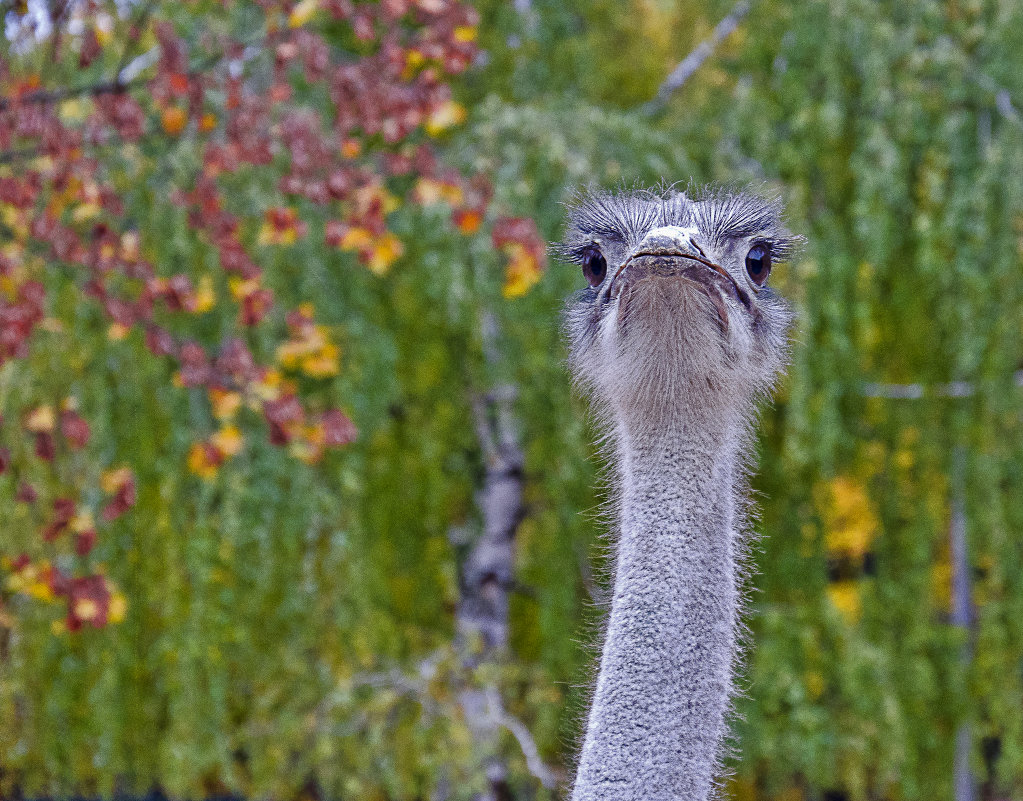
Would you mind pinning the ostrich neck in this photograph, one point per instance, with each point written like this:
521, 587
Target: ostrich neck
657, 723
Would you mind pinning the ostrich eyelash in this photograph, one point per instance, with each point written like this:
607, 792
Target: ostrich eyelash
578, 253
780, 248
723, 214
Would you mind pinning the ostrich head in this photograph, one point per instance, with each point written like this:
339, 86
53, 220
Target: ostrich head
678, 317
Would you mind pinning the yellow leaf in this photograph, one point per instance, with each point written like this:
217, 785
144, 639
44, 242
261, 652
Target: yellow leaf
414, 59
522, 272
271, 235
130, 246
323, 363
225, 403
74, 110
302, 13
86, 609
845, 596
356, 238
41, 419
82, 521
228, 440
117, 332
112, 480
304, 451
40, 590
269, 386
385, 251
104, 28
242, 288
815, 684
205, 297
200, 463
849, 517
445, 116
17, 582
118, 607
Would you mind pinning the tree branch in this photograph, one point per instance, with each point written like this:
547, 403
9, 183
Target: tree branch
684, 71
54, 95
526, 742
953, 389
128, 74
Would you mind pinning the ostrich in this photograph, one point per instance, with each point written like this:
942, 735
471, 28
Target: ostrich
675, 341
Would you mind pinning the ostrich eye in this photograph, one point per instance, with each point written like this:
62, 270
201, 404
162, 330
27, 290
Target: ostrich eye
758, 264
594, 266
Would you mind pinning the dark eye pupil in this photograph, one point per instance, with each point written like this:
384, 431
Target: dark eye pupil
594, 266
758, 264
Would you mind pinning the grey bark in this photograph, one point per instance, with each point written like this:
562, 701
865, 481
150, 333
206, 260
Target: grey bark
691, 63
962, 616
488, 575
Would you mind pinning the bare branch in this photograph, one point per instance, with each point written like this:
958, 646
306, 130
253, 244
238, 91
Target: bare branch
691, 63
53, 95
1003, 102
953, 389
526, 742
136, 66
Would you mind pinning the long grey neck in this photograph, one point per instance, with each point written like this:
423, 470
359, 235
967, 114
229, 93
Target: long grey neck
657, 724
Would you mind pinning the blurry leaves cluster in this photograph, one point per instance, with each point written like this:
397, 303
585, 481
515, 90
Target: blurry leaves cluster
290, 620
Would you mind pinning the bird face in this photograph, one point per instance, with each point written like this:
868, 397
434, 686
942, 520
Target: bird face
678, 306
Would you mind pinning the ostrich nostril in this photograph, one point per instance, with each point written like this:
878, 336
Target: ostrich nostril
660, 244
669, 240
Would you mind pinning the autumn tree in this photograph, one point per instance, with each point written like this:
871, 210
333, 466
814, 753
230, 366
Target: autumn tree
196, 198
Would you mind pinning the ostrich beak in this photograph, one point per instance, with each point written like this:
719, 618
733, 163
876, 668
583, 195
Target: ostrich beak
672, 242
740, 293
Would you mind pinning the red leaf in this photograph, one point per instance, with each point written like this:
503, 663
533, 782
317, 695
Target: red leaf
338, 429
58, 581
88, 602
283, 415
90, 48
74, 428
122, 501
85, 541
255, 306
26, 493
159, 341
63, 510
236, 359
45, 448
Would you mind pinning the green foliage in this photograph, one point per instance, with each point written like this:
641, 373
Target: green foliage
881, 125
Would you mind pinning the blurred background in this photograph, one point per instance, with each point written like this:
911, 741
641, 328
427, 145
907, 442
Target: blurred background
295, 498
